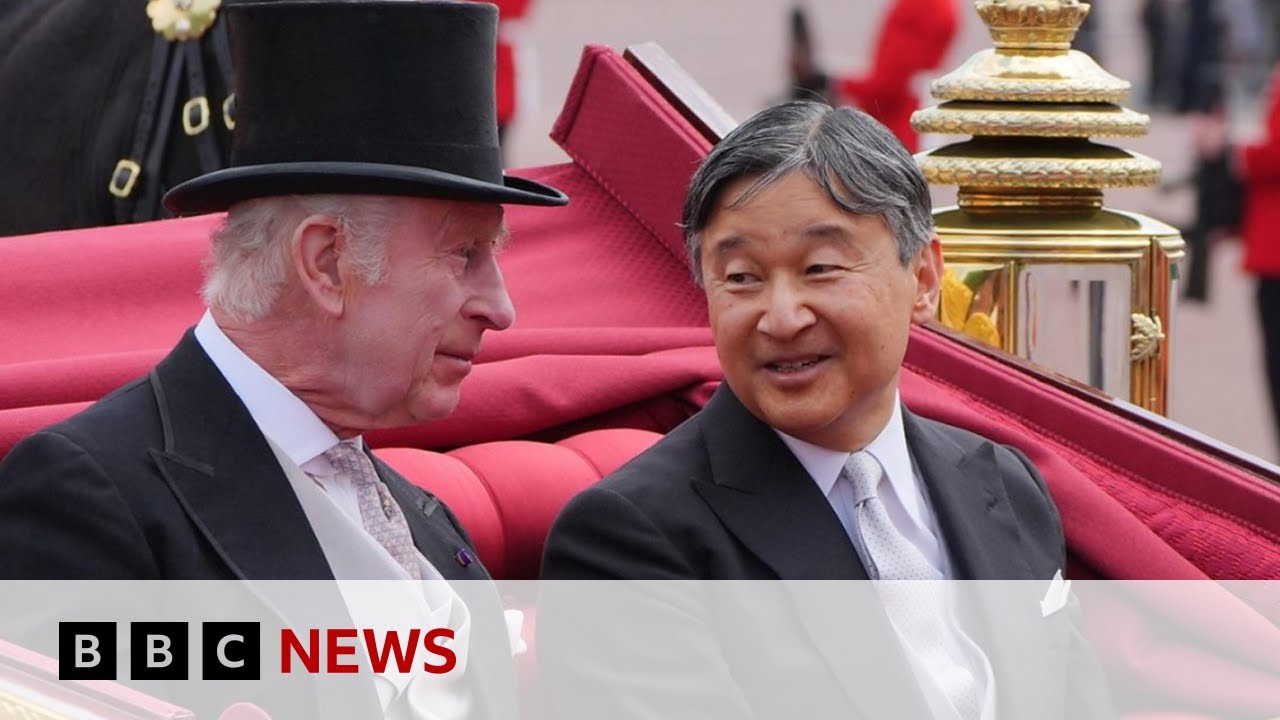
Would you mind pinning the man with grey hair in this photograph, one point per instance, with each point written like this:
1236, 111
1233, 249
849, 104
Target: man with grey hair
809, 229
349, 289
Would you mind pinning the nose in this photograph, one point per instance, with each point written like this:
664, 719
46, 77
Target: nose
786, 313
490, 303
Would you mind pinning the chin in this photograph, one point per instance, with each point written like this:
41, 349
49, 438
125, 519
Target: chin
801, 422
435, 406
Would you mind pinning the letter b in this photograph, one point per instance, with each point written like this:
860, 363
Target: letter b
86, 651
158, 650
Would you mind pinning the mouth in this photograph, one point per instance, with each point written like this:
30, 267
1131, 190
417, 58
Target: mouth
793, 366
458, 360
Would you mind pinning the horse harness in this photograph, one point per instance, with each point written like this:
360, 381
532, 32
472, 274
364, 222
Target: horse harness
176, 53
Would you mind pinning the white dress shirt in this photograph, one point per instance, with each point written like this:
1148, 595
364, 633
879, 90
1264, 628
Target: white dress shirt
902, 495
329, 500
911, 513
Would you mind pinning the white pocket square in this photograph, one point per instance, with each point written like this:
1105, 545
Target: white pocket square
1056, 597
515, 626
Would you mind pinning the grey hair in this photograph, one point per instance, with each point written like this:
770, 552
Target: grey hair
249, 263
861, 166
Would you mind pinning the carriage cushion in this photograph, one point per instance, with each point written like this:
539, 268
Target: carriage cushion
1123, 490
507, 493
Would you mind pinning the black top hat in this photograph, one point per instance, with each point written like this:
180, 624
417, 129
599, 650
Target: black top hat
378, 97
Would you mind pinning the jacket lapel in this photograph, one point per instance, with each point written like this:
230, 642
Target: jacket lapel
491, 672
765, 497
433, 533
983, 538
969, 499
224, 474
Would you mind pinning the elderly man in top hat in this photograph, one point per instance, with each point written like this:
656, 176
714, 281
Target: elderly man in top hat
349, 289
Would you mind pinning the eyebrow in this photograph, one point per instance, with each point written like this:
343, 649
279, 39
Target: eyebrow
829, 231
821, 231
725, 245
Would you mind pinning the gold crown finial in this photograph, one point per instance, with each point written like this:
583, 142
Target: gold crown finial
1044, 25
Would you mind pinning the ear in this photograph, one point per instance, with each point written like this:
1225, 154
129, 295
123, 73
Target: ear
927, 267
316, 246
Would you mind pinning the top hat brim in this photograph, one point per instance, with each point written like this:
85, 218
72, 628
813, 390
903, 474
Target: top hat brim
219, 190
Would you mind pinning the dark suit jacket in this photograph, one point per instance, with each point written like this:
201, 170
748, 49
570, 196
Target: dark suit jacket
722, 498
169, 478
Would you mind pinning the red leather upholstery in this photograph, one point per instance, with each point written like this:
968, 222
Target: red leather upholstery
507, 493
1134, 504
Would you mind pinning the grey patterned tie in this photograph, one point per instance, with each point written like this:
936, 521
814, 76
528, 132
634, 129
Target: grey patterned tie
917, 609
379, 512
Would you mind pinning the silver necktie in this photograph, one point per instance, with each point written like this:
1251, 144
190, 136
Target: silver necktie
919, 608
379, 512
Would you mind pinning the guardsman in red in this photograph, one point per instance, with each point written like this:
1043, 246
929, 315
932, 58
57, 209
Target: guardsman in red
507, 74
1260, 174
915, 37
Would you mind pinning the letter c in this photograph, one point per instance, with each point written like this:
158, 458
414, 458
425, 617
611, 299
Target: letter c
222, 651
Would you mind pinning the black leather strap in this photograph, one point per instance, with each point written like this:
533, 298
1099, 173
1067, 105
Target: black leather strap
222, 51
148, 206
135, 181
161, 51
206, 139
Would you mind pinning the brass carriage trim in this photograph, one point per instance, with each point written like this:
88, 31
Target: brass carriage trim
1023, 90
1030, 183
1147, 336
1137, 171
960, 118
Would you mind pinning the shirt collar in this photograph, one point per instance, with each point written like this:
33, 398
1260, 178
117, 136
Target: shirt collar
889, 448
279, 414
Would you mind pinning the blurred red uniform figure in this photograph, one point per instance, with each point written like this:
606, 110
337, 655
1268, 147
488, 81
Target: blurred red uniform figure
1260, 228
508, 10
915, 37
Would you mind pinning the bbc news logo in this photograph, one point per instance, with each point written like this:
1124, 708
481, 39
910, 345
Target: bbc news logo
233, 650
159, 651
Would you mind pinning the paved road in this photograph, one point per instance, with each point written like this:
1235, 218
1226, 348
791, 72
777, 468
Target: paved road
736, 49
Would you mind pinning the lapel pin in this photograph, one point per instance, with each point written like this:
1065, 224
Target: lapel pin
464, 557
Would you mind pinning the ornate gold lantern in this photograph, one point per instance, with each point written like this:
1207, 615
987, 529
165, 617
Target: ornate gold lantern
1035, 264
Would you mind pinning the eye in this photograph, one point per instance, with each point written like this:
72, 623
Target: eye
820, 269
469, 253
739, 278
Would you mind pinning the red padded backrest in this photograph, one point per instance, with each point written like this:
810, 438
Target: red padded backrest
104, 291
507, 493
1134, 503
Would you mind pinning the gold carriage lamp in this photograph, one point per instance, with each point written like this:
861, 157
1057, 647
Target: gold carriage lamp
1035, 265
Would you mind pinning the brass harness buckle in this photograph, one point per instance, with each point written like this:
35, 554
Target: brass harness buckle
195, 115
124, 177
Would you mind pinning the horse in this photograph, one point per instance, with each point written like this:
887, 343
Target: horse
100, 114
